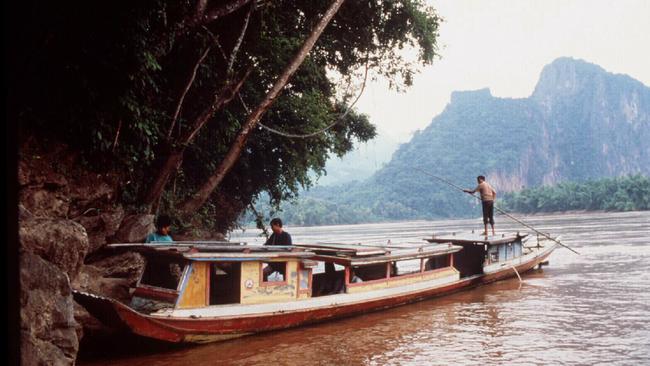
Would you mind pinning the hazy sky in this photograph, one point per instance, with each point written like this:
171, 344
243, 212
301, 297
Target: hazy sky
503, 45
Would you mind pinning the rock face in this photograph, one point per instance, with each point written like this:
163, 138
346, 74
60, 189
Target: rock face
55, 247
112, 276
101, 226
135, 228
66, 218
51, 253
47, 325
64, 243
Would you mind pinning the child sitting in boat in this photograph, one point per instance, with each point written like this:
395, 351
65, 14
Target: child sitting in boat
163, 229
353, 277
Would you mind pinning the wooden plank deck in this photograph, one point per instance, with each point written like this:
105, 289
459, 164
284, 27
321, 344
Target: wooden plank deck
476, 238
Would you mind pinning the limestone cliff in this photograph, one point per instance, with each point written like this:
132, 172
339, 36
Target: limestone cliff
580, 123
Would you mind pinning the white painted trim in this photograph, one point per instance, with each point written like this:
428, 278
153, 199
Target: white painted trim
309, 304
499, 266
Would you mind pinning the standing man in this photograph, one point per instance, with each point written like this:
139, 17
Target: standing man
488, 195
279, 237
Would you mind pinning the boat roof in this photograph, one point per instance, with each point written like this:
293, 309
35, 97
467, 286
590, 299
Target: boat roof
341, 253
360, 254
216, 250
476, 238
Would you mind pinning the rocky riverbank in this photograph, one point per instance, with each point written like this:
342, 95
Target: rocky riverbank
67, 215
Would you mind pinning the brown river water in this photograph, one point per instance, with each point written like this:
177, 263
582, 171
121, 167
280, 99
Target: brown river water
587, 309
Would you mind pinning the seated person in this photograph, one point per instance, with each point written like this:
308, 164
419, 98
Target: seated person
429, 264
279, 237
275, 276
353, 277
163, 229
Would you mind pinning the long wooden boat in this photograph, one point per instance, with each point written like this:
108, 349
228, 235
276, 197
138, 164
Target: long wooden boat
205, 291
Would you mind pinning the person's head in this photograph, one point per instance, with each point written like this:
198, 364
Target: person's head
480, 179
163, 224
276, 225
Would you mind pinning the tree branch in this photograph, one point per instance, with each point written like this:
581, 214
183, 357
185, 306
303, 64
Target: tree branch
223, 10
175, 157
235, 49
201, 196
117, 135
196, 19
187, 88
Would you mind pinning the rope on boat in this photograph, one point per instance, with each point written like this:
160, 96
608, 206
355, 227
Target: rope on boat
498, 209
515, 269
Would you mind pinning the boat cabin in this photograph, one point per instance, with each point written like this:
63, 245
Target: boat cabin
197, 275
355, 268
480, 251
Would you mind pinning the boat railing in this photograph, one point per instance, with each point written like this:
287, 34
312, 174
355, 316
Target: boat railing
209, 246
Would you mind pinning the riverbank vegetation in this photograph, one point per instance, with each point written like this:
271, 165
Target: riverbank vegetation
630, 193
203, 106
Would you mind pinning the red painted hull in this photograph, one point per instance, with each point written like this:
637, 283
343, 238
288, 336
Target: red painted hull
211, 329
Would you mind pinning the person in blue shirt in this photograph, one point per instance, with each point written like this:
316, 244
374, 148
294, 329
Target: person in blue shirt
163, 229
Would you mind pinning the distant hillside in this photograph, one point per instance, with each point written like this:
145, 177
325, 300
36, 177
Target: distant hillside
361, 163
580, 123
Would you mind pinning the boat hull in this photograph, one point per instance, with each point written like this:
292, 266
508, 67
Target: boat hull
202, 329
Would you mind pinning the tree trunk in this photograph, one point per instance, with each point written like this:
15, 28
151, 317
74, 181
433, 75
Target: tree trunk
202, 195
175, 157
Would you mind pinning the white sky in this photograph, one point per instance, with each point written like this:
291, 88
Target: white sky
504, 44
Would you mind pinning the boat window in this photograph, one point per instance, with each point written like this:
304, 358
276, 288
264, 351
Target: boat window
470, 260
354, 277
516, 249
163, 272
437, 262
502, 252
320, 267
274, 271
402, 268
225, 283
371, 272
330, 281
494, 254
304, 276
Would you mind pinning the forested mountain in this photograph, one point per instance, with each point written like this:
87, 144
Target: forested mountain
580, 123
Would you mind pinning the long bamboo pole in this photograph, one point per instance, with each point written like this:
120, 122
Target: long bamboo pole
498, 209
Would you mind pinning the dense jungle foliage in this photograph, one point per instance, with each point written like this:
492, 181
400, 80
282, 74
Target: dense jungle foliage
630, 193
159, 90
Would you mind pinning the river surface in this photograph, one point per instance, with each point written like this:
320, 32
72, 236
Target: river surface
587, 309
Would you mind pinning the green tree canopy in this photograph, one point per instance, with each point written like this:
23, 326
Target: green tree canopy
126, 82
